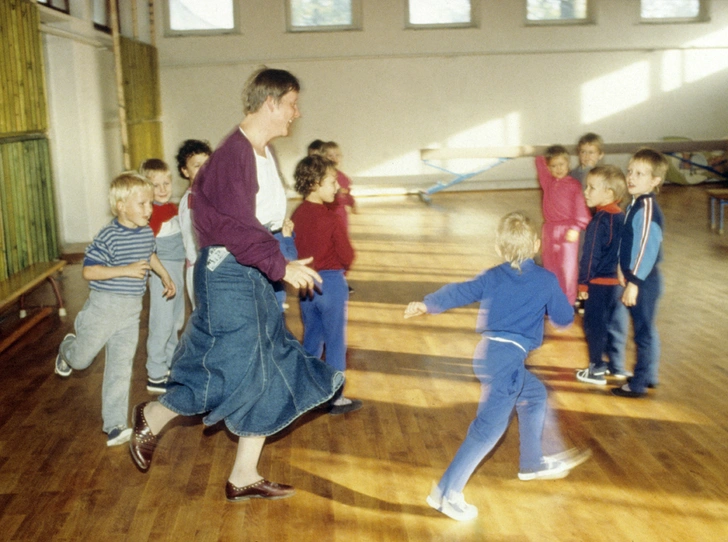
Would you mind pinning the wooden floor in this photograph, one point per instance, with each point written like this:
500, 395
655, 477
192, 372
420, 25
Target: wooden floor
659, 469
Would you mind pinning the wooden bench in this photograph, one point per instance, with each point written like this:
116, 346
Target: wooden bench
719, 199
14, 289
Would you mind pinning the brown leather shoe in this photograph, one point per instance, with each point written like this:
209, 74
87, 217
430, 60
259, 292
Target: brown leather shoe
143, 442
262, 489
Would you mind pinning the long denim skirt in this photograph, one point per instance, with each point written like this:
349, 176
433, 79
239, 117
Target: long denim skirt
237, 362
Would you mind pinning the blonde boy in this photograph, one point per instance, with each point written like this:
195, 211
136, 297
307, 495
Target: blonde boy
116, 264
514, 299
166, 315
640, 252
605, 317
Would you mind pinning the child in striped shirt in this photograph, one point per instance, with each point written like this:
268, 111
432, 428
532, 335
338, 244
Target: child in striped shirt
117, 265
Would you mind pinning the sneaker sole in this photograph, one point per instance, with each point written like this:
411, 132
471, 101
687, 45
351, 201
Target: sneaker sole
598, 382
449, 514
59, 358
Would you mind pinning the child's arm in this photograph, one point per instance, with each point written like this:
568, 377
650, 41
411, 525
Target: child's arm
415, 308
542, 171
169, 288
287, 229
645, 251
136, 270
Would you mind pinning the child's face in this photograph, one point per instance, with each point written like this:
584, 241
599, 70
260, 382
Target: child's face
640, 179
559, 166
136, 210
193, 165
162, 181
334, 155
589, 155
596, 192
325, 191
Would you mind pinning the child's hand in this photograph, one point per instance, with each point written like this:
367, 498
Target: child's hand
287, 229
416, 308
572, 236
629, 297
137, 270
169, 288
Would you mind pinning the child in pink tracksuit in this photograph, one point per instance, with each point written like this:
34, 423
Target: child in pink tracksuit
565, 214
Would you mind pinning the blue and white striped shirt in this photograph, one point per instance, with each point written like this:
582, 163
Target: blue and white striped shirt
116, 245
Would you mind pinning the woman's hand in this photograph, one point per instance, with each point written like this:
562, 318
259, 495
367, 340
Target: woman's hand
301, 276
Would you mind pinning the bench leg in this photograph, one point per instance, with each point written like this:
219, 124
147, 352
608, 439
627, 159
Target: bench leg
57, 292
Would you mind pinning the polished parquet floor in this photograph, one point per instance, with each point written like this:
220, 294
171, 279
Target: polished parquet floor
659, 470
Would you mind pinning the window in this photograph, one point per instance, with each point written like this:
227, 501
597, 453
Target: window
557, 11
316, 15
102, 15
60, 5
201, 16
431, 13
672, 10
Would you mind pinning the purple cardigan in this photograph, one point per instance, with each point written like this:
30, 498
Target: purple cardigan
224, 207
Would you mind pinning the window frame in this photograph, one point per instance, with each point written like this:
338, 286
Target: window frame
169, 32
703, 16
356, 20
473, 23
589, 18
49, 4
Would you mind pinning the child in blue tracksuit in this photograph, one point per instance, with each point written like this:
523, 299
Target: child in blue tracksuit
605, 316
640, 252
514, 297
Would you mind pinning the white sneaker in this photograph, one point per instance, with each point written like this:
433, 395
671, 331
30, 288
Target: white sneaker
453, 506
557, 466
118, 435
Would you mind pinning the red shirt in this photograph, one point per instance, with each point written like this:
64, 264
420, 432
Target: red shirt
161, 213
321, 233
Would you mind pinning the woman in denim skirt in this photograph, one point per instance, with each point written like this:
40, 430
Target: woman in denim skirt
236, 361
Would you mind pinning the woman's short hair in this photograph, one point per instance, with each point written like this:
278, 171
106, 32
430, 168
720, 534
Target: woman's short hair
613, 179
267, 82
516, 239
310, 171
124, 185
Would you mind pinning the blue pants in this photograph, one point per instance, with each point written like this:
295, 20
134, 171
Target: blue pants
646, 338
605, 327
288, 249
324, 319
506, 385
107, 321
166, 319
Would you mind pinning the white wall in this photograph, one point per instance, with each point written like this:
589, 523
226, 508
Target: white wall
386, 92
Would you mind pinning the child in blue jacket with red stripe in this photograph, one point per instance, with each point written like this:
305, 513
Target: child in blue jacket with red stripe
605, 316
